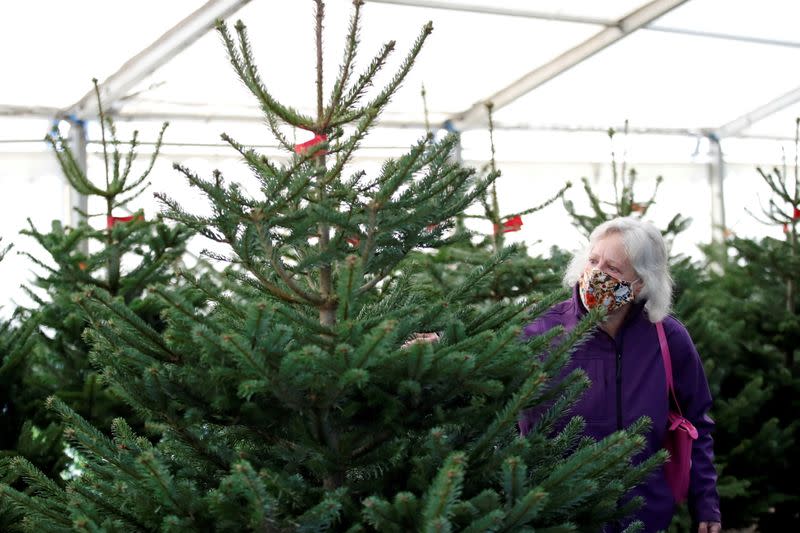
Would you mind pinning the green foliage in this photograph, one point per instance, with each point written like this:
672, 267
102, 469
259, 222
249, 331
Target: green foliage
16, 343
124, 258
745, 323
740, 328
520, 275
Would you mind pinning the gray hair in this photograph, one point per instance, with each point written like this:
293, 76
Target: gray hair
647, 253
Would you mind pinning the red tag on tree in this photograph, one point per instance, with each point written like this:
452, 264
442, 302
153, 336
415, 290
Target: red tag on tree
512, 224
110, 221
306, 147
636, 207
796, 215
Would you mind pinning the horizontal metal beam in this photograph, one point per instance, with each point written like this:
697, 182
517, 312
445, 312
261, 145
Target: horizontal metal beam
175, 40
390, 122
476, 115
28, 111
656, 131
496, 10
580, 19
723, 36
412, 122
736, 126
396, 121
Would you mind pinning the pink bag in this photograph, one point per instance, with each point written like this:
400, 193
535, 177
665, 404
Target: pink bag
680, 434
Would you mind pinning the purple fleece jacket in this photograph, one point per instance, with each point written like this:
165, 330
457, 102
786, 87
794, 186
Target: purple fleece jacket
628, 381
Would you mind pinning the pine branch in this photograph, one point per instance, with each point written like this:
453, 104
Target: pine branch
358, 89
383, 98
444, 491
72, 171
525, 510
242, 62
104, 299
349, 147
319, 14
322, 516
277, 265
544, 204
153, 157
346, 67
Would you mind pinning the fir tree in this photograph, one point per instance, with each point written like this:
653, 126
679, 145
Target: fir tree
745, 321
624, 202
17, 339
123, 259
289, 403
521, 274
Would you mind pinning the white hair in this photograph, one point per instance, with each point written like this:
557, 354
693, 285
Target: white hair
647, 253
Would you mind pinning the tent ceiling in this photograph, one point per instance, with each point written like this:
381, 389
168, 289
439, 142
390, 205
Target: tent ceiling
700, 66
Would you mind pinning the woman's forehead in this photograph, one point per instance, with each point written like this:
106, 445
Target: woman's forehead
612, 248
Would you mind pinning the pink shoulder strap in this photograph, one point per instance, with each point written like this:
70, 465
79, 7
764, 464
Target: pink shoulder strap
662, 341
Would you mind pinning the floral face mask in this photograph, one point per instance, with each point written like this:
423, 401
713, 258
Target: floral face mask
598, 289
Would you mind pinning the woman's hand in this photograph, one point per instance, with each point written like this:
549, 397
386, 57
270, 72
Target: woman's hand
709, 527
417, 338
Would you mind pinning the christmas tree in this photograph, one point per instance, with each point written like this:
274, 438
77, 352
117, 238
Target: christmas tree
521, 274
624, 202
745, 320
288, 402
123, 258
17, 339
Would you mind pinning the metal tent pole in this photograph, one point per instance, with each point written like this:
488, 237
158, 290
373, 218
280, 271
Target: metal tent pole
716, 177
644, 15
77, 203
137, 68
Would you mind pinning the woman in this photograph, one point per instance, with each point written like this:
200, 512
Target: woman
624, 268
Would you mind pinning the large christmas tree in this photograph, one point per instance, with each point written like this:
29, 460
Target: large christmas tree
121, 256
289, 403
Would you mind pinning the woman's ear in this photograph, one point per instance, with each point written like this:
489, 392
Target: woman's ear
638, 286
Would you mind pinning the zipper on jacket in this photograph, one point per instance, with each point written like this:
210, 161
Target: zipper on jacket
619, 388
618, 345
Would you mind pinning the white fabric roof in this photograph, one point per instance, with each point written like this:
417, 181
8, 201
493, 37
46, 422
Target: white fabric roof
700, 66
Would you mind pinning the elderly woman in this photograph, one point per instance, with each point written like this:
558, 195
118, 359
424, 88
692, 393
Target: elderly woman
624, 268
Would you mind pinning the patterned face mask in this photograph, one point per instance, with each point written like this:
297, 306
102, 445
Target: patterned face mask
598, 289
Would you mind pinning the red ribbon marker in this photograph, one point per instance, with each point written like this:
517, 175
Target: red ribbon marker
512, 224
636, 207
796, 215
110, 220
304, 148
